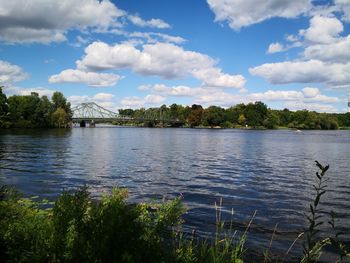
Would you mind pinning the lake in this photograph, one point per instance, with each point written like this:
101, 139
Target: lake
268, 171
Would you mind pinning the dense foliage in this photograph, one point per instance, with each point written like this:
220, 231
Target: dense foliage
32, 111
254, 115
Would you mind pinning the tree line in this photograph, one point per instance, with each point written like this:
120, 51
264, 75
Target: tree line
33, 111
252, 115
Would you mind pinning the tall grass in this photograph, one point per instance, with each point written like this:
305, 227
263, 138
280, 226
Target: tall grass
76, 228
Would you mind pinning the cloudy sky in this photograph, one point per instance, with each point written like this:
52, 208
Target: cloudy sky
132, 53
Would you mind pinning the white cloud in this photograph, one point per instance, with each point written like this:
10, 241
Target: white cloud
322, 30
47, 21
92, 79
278, 47
292, 99
80, 41
325, 58
105, 100
40, 91
310, 106
344, 6
137, 38
41, 21
214, 96
12, 90
101, 56
292, 38
29, 35
275, 48
76, 100
160, 59
338, 51
311, 71
242, 13
137, 102
276, 95
174, 91
213, 77
103, 96
323, 33
156, 23
144, 87
10, 73
310, 92
218, 98
154, 37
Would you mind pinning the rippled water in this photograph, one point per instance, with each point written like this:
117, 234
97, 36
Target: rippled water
268, 171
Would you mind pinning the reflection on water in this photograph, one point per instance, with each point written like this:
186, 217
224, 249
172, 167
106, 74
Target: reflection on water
268, 171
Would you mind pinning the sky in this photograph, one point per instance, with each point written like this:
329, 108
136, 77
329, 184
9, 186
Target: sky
145, 53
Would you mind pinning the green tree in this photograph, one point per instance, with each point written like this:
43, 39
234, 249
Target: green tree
255, 114
126, 112
3, 110
43, 112
3, 103
164, 112
343, 119
60, 118
241, 119
233, 113
299, 118
22, 110
195, 116
272, 120
175, 111
328, 122
59, 101
214, 116
285, 117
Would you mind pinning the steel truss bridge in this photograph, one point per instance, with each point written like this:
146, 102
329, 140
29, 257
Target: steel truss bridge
92, 112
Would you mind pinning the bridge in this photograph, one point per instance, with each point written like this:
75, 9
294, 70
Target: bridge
92, 113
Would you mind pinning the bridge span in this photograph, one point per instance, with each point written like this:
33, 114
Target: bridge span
91, 113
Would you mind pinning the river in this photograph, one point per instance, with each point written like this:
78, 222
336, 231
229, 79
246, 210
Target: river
269, 171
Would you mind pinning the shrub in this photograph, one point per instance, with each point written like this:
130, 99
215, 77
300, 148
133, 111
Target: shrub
78, 229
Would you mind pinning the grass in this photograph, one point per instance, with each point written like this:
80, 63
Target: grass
76, 228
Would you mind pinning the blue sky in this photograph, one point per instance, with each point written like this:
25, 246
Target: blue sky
131, 53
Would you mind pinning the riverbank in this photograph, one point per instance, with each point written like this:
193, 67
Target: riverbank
242, 127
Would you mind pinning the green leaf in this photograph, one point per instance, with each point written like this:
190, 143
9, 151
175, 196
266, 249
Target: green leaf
319, 165
312, 209
318, 175
317, 200
326, 168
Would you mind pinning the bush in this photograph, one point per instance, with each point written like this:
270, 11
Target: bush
25, 229
226, 124
78, 229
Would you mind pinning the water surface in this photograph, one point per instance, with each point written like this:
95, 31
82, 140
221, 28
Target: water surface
270, 171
